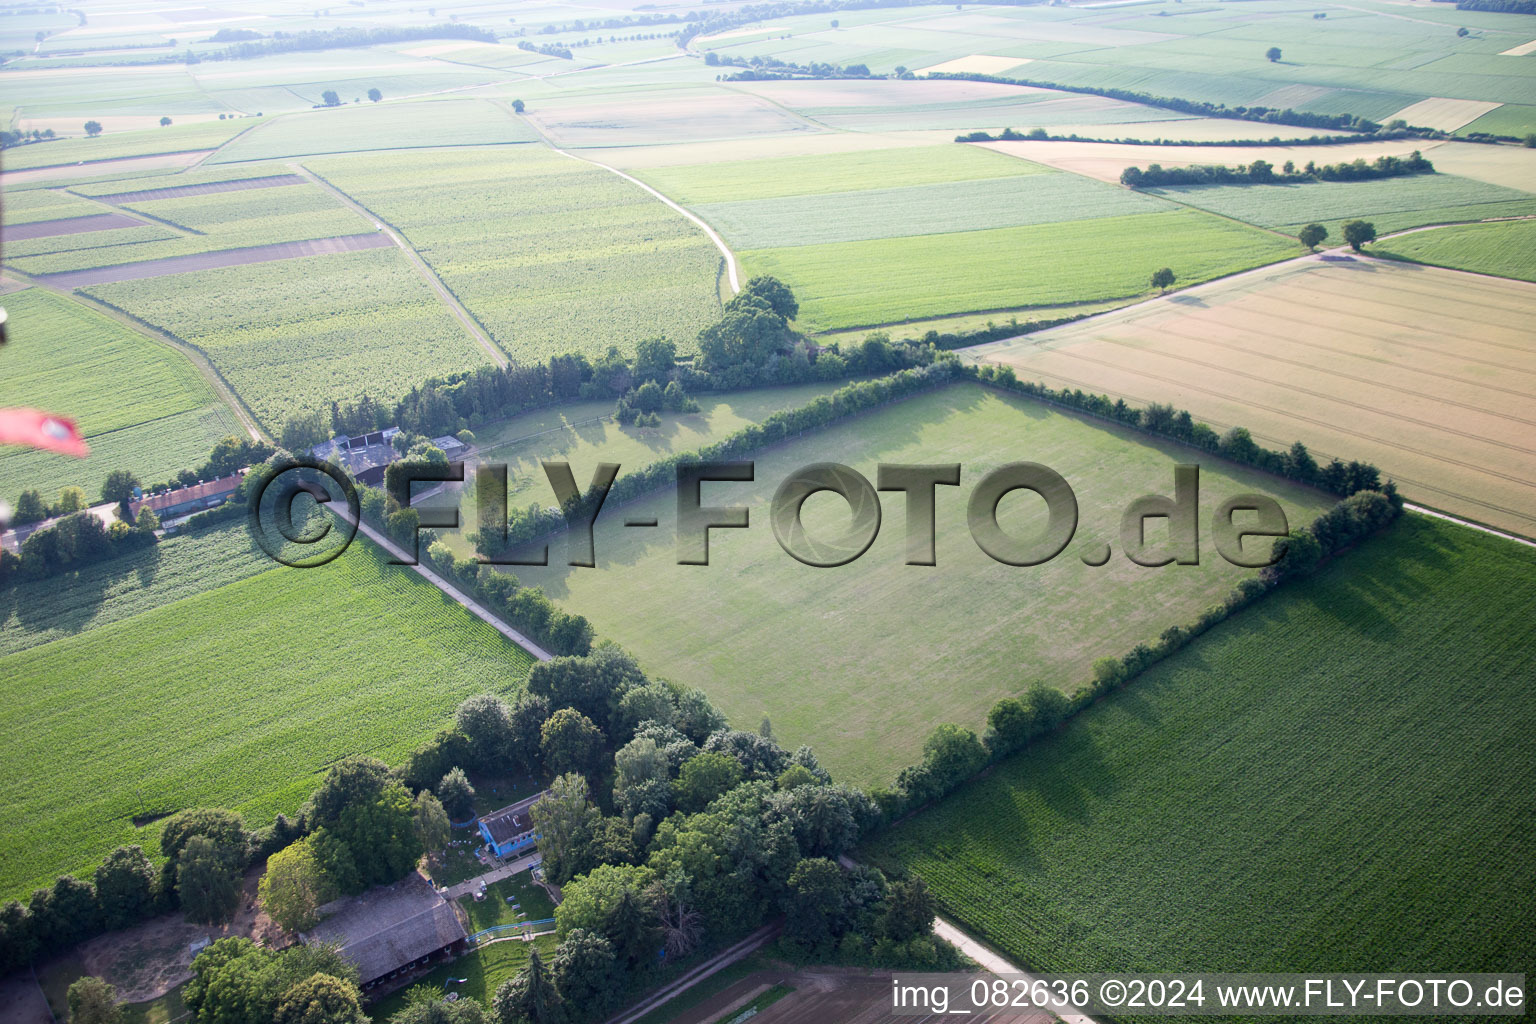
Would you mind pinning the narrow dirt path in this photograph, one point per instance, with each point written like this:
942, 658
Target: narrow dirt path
724, 959
449, 299
224, 392
732, 277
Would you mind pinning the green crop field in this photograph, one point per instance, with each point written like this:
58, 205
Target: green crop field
1505, 250
292, 335
568, 433
206, 223
892, 213
865, 677
189, 703
35, 612
851, 284
45, 204
1510, 119
696, 184
141, 405
1342, 774
380, 126
551, 255
147, 142
1390, 203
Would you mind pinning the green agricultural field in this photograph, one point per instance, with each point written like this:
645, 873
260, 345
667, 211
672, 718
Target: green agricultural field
207, 223
696, 184
1504, 250
1509, 119
141, 405
551, 255
175, 138
892, 213
34, 612
486, 969
880, 650
293, 335
45, 204
188, 703
881, 281
1368, 731
1390, 203
585, 434
380, 126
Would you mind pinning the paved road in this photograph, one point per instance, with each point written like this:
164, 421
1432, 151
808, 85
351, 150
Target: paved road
452, 591
507, 870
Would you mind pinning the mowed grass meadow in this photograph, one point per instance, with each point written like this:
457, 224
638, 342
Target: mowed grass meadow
238, 694
551, 255
1343, 774
141, 404
861, 661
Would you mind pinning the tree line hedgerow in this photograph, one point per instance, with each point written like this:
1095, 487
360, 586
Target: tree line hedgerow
1261, 172
952, 753
1389, 133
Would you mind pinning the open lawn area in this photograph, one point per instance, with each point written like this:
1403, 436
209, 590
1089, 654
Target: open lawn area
238, 694
1344, 773
1428, 373
141, 404
529, 902
1504, 250
861, 661
486, 969
881, 281
549, 254
584, 434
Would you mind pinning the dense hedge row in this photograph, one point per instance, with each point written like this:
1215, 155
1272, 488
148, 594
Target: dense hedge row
1261, 172
952, 754
1041, 135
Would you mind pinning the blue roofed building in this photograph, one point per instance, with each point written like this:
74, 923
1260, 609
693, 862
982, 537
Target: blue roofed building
509, 831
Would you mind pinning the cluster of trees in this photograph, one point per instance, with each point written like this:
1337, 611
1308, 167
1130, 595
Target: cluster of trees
1498, 6
235, 981
1261, 172
9, 138
77, 540
1237, 444
548, 49
764, 68
751, 345
1268, 115
642, 406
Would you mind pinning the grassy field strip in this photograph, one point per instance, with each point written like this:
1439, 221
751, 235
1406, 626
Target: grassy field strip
448, 298
74, 361
596, 260
976, 205
1407, 331
204, 136
291, 335
1502, 249
205, 719
851, 284
723, 628
1301, 752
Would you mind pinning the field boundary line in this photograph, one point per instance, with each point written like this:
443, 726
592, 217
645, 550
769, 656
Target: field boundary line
1469, 524
444, 293
730, 258
205, 368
